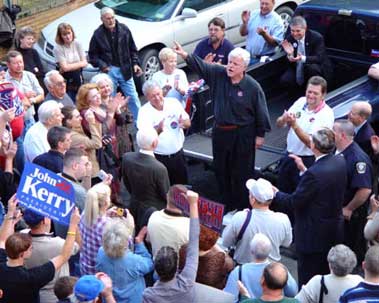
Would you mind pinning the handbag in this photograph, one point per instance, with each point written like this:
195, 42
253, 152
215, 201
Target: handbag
232, 249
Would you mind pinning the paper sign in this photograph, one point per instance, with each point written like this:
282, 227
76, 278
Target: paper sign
46, 193
210, 212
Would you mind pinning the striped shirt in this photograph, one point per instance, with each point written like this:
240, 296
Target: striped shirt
91, 242
363, 292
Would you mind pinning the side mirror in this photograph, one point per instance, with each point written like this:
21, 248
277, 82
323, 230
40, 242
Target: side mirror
188, 13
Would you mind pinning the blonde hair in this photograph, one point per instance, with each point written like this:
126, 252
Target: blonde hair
98, 196
116, 236
81, 97
166, 53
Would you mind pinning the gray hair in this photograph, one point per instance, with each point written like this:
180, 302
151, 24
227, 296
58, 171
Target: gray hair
149, 85
106, 10
260, 246
100, 78
345, 126
146, 136
342, 260
46, 110
239, 52
116, 237
48, 76
372, 261
298, 21
324, 140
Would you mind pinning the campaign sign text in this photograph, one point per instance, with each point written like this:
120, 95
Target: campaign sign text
46, 193
210, 213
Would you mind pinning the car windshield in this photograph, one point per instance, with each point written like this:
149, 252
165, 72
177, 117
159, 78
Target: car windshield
147, 10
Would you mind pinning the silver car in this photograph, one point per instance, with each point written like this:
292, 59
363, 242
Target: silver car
156, 24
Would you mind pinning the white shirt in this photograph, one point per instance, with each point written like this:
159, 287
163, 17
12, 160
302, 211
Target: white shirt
35, 142
309, 122
171, 139
275, 225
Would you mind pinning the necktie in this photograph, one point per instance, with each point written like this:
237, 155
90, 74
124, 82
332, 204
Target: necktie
300, 64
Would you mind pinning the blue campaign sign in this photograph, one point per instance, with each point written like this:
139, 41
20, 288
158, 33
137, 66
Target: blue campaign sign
46, 193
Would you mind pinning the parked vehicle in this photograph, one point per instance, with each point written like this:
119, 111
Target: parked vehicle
157, 24
351, 32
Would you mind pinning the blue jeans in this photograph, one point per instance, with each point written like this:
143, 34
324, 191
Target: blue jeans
128, 89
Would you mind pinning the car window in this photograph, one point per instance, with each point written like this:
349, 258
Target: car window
147, 10
346, 32
199, 5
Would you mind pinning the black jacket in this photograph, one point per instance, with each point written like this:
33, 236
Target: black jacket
100, 52
317, 204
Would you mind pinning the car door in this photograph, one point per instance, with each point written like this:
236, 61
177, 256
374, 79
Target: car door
188, 32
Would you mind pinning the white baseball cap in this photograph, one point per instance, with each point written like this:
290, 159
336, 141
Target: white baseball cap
260, 189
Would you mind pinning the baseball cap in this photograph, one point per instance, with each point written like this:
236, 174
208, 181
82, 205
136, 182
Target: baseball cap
88, 288
32, 218
260, 189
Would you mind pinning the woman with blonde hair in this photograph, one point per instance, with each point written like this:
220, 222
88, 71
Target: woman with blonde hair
125, 267
70, 58
92, 224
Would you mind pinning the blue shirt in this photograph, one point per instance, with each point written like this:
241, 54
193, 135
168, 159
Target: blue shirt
251, 276
204, 47
273, 24
363, 292
127, 273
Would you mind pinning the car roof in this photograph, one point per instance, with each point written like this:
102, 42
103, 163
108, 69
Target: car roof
368, 8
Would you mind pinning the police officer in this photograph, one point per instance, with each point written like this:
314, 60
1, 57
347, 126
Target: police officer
359, 175
307, 115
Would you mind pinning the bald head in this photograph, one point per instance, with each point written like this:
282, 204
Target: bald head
275, 276
360, 112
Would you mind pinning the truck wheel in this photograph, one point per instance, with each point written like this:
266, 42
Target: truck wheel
286, 13
149, 64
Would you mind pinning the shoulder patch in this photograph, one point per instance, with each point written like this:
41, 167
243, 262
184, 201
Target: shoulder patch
360, 167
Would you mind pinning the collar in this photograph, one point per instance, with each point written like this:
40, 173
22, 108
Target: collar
147, 152
66, 176
221, 43
8, 75
265, 16
320, 157
56, 153
317, 109
172, 213
356, 129
41, 235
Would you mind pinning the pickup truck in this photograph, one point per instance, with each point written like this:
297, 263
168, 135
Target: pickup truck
351, 33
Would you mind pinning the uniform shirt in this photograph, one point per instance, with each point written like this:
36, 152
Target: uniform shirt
309, 122
240, 104
276, 226
204, 47
171, 139
359, 170
272, 22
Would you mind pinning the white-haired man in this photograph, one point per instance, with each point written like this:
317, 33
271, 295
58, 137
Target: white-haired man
35, 142
251, 273
276, 226
113, 51
241, 120
56, 85
145, 178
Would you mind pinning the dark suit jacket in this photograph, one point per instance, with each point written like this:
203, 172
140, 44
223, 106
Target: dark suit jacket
317, 204
146, 179
363, 137
315, 52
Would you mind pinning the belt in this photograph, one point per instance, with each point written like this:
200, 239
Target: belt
227, 127
169, 156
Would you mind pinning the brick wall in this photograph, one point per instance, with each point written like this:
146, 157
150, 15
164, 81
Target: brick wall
40, 20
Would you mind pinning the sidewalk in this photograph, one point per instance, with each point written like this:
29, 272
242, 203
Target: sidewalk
40, 20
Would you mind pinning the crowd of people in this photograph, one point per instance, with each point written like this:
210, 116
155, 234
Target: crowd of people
322, 201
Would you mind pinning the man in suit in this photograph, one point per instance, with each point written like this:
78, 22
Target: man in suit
317, 205
306, 55
358, 115
145, 177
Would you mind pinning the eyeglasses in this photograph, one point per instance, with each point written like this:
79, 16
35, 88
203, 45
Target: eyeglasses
61, 83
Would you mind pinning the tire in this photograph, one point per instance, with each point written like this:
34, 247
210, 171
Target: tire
286, 13
149, 64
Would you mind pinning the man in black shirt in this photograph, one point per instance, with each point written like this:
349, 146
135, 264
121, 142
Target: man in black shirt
241, 120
